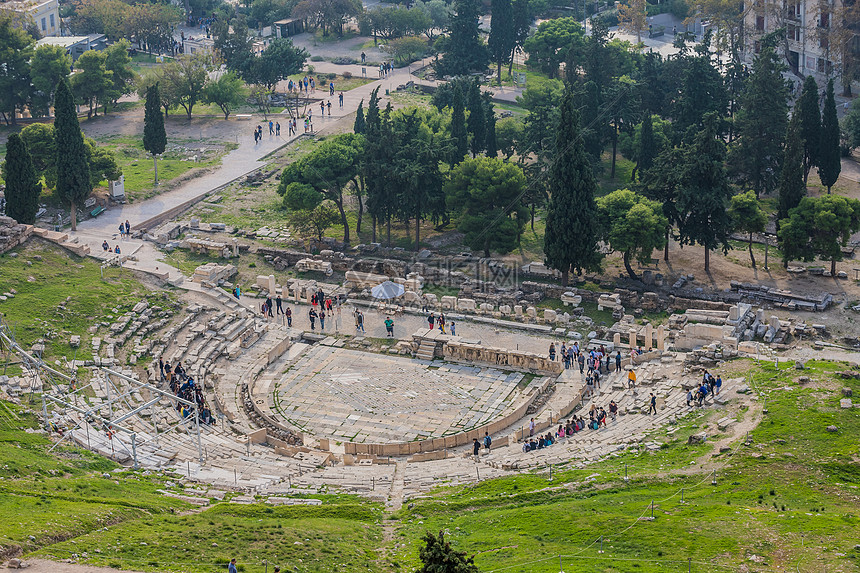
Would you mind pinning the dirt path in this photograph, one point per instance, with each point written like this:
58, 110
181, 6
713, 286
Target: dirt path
45, 566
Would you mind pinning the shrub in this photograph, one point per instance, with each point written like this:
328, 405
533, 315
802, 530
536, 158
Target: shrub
317, 59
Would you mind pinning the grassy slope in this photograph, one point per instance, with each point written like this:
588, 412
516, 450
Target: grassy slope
43, 285
789, 499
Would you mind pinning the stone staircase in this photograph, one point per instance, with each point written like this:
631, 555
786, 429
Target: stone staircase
426, 350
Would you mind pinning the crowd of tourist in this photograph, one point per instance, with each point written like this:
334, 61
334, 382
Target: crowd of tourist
185, 387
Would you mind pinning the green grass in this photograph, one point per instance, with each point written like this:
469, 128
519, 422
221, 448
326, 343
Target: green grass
43, 286
137, 165
331, 537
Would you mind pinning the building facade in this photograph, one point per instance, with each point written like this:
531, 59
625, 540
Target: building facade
41, 15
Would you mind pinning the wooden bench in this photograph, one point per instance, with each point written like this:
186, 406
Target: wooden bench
243, 116
97, 211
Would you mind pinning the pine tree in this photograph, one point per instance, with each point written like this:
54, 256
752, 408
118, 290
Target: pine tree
458, 127
437, 556
810, 125
829, 159
502, 38
465, 53
359, 126
22, 183
154, 136
73, 170
791, 186
476, 121
762, 122
647, 146
572, 229
704, 191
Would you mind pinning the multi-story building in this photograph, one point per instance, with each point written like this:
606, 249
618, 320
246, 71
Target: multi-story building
41, 15
816, 32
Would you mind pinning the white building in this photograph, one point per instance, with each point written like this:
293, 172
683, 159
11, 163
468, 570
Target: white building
44, 15
76, 45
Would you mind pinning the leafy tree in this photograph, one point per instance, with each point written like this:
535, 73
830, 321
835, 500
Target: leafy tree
502, 40
151, 25
118, 64
458, 128
42, 147
487, 191
73, 171
406, 49
477, 120
633, 17
572, 226
226, 91
634, 225
327, 169
791, 186
810, 127
439, 13
360, 125
107, 17
265, 12
22, 183
49, 65
829, 158
761, 124
623, 112
550, 44
663, 183
437, 556
819, 227
522, 17
233, 43
309, 212
185, 77
537, 143
16, 49
92, 84
702, 91
652, 84
509, 135
491, 144
279, 61
156, 77
375, 164
648, 149
154, 135
704, 191
328, 15
747, 217
102, 163
465, 52
852, 125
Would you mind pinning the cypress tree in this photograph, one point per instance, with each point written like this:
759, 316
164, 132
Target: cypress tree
73, 170
502, 37
572, 229
477, 119
154, 136
829, 159
491, 145
22, 183
647, 146
458, 127
465, 52
810, 124
359, 125
791, 186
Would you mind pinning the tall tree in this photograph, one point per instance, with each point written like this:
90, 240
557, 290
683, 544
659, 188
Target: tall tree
704, 191
761, 122
154, 135
572, 227
118, 64
93, 82
521, 27
279, 61
233, 42
648, 149
747, 217
488, 192
459, 133
49, 65
809, 116
791, 184
819, 227
16, 48
359, 126
491, 145
73, 170
477, 120
502, 39
464, 50
22, 183
829, 158
437, 556
634, 225
227, 91
185, 78
633, 17
663, 183
702, 91
552, 41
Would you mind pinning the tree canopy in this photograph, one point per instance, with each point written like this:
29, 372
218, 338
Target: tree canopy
634, 225
819, 227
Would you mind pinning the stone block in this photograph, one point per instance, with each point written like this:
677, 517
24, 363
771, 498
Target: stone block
550, 316
449, 303
466, 304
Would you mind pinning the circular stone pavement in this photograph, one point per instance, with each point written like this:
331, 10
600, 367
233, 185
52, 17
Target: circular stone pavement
368, 397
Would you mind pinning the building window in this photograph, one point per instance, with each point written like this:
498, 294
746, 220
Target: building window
759, 23
793, 32
824, 42
44, 27
53, 24
824, 20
